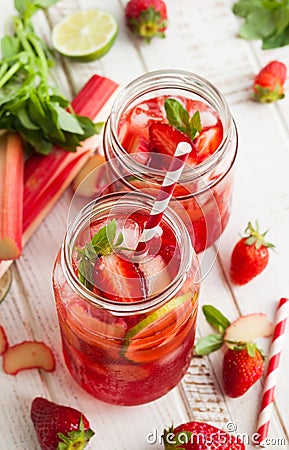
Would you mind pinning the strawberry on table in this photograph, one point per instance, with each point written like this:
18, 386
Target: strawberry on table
243, 362
241, 369
250, 256
59, 427
268, 84
147, 18
200, 436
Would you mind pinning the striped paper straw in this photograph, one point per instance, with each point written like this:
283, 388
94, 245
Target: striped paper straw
272, 370
165, 194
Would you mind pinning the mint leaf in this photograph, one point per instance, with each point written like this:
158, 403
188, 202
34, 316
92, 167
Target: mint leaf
264, 19
103, 243
215, 318
209, 344
178, 117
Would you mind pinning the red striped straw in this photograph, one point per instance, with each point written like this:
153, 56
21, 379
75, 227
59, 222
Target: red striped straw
165, 193
272, 370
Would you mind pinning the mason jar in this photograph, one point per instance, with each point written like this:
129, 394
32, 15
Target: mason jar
138, 161
127, 323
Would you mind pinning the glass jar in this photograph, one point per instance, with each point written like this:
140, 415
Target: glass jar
128, 351
204, 189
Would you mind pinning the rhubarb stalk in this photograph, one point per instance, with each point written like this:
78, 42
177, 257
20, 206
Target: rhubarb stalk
47, 177
11, 195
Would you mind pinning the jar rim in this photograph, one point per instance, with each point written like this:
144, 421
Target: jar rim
102, 205
160, 79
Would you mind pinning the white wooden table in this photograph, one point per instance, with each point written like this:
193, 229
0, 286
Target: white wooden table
201, 37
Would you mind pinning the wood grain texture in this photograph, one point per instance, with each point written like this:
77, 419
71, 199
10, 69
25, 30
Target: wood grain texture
202, 37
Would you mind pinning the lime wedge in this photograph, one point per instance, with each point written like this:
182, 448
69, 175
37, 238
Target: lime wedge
85, 35
141, 342
5, 283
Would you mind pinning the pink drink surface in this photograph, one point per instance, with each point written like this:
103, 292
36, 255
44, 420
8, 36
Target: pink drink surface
206, 214
136, 358
134, 129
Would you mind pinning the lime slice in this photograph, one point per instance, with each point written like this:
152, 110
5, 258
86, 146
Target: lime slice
5, 283
85, 35
141, 341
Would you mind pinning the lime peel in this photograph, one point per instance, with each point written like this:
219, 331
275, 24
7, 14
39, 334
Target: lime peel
153, 317
85, 35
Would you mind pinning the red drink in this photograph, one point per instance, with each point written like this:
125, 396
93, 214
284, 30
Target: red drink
149, 118
127, 325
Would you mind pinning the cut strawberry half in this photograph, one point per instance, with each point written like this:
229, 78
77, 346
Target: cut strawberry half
208, 141
164, 139
119, 279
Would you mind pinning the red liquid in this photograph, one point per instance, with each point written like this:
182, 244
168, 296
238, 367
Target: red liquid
111, 362
205, 211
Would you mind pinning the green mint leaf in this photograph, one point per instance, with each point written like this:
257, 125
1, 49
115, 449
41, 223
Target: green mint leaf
264, 19
209, 344
243, 7
10, 46
195, 125
102, 243
67, 121
275, 41
215, 318
177, 115
85, 273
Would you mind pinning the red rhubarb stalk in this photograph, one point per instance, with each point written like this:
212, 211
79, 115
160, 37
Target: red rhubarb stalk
47, 177
11, 195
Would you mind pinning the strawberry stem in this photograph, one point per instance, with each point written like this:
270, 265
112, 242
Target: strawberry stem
254, 237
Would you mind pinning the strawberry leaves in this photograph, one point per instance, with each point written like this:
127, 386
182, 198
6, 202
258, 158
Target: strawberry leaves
76, 439
178, 117
103, 243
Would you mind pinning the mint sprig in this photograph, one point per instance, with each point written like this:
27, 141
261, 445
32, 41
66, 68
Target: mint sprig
267, 20
212, 342
103, 243
179, 118
29, 104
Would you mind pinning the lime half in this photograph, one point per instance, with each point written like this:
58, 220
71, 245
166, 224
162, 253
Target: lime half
85, 35
5, 283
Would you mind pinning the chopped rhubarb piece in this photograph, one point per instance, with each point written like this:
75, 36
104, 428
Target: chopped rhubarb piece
28, 355
11, 195
3, 341
248, 328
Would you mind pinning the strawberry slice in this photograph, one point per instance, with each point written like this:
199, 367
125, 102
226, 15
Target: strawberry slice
119, 279
208, 141
164, 139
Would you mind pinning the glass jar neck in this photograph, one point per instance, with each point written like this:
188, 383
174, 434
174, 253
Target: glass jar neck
100, 210
154, 84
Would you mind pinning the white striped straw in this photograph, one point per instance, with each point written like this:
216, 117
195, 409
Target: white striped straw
272, 370
165, 194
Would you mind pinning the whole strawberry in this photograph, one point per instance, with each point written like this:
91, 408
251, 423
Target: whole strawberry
147, 18
268, 84
59, 427
250, 256
241, 369
200, 436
